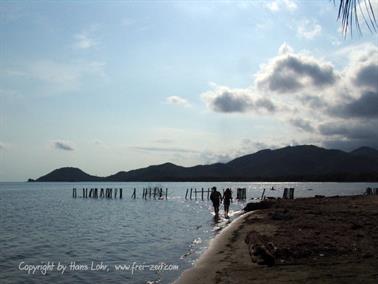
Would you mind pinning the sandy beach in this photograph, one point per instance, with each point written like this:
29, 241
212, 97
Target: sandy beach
313, 240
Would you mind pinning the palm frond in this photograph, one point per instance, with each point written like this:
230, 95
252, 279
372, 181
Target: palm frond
350, 12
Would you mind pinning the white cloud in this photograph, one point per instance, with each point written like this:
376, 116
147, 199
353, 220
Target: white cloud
276, 5
293, 72
309, 29
87, 38
176, 100
290, 5
272, 6
326, 105
285, 49
84, 41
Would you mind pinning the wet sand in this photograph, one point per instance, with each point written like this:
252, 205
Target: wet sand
315, 240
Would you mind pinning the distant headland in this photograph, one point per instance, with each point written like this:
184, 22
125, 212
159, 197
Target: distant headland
296, 163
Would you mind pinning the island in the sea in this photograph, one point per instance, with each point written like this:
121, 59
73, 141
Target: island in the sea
296, 163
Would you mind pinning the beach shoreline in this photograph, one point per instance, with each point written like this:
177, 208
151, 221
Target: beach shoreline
316, 240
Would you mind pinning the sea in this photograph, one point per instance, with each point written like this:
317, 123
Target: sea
47, 236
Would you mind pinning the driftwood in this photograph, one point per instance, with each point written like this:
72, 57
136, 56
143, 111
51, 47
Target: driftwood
260, 249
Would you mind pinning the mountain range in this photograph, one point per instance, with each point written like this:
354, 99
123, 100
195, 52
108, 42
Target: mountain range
292, 163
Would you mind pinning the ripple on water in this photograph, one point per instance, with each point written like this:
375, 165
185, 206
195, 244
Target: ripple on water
42, 222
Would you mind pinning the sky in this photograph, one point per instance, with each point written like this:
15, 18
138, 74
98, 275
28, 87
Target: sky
118, 85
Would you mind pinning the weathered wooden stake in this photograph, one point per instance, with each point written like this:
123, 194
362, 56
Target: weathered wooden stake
262, 195
285, 193
74, 192
202, 194
166, 193
191, 193
291, 193
120, 193
208, 193
186, 194
134, 194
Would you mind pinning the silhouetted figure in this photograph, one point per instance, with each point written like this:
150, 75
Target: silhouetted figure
216, 198
227, 197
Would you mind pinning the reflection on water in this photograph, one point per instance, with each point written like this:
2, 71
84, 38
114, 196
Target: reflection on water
41, 222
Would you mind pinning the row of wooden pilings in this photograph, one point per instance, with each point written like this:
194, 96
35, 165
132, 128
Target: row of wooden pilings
288, 193
110, 193
155, 192
241, 193
371, 191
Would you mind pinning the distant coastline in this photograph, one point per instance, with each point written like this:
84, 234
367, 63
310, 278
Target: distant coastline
305, 163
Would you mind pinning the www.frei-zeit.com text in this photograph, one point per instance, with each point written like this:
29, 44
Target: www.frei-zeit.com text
73, 266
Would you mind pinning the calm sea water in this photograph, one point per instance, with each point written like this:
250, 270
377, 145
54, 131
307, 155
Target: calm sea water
153, 240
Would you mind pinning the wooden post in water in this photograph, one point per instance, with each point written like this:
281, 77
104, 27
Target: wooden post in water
208, 193
369, 191
86, 192
262, 195
191, 193
195, 193
96, 192
166, 193
149, 194
186, 194
202, 194
120, 193
285, 193
291, 193
102, 193
74, 192
83, 196
134, 194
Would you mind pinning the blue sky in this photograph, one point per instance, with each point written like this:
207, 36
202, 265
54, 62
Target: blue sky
109, 86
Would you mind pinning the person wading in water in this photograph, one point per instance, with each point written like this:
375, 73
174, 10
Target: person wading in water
216, 198
227, 197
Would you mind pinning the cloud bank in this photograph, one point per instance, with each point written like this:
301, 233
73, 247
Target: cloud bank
333, 107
